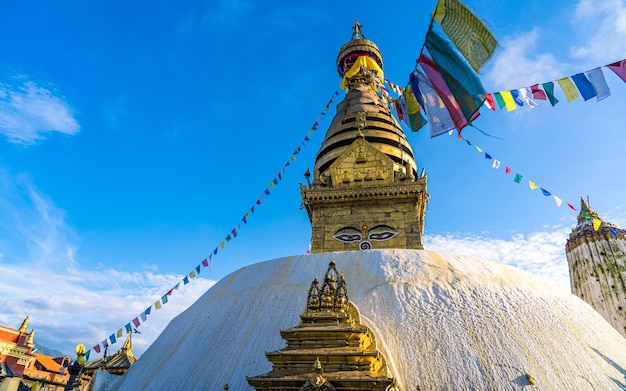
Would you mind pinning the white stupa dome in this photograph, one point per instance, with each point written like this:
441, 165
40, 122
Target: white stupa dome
443, 322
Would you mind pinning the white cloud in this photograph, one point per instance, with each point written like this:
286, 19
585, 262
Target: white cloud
29, 111
67, 303
518, 64
603, 24
539, 253
597, 37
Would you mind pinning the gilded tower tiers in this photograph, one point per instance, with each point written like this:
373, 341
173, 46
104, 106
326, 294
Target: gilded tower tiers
596, 253
366, 192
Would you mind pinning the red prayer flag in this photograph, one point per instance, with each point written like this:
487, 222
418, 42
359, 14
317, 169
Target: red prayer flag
538, 93
136, 322
619, 68
432, 72
205, 263
490, 101
234, 232
507, 170
97, 348
570, 206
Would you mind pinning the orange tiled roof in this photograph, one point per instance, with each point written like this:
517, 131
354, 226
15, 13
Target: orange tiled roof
48, 363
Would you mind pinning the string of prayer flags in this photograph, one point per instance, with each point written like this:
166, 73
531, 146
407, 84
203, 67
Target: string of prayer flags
468, 33
589, 84
518, 177
207, 261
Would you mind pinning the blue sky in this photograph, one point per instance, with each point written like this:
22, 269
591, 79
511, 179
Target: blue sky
133, 138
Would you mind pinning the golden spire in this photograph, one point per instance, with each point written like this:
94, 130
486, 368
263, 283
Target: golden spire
586, 212
24, 325
357, 31
127, 348
31, 337
357, 46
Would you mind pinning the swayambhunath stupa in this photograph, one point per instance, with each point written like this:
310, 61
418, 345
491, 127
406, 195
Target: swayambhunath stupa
371, 305
370, 309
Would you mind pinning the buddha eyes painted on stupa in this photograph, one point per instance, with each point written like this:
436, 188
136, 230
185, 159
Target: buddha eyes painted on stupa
379, 232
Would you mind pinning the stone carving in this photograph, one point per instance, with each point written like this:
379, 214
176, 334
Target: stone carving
318, 382
331, 295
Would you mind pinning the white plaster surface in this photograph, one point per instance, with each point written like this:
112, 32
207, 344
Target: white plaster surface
443, 321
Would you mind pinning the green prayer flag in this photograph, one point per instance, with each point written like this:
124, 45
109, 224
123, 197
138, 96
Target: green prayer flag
585, 214
462, 81
129, 328
549, 89
466, 31
518, 178
417, 121
499, 99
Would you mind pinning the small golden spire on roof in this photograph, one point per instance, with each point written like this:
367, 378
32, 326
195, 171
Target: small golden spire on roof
585, 211
24, 325
31, 337
127, 348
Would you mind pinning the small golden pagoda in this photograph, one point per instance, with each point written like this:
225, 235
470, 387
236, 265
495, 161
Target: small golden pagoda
330, 349
117, 364
366, 192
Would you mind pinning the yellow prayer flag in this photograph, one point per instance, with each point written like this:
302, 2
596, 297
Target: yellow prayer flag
120, 333
532, 185
157, 304
478, 149
222, 245
596, 224
508, 100
271, 185
412, 105
570, 90
192, 274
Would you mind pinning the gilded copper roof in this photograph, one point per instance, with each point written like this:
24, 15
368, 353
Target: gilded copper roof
123, 359
363, 113
375, 123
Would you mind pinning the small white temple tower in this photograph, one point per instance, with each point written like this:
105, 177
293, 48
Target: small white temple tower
596, 252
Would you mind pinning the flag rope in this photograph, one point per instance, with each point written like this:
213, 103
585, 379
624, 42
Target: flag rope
132, 325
